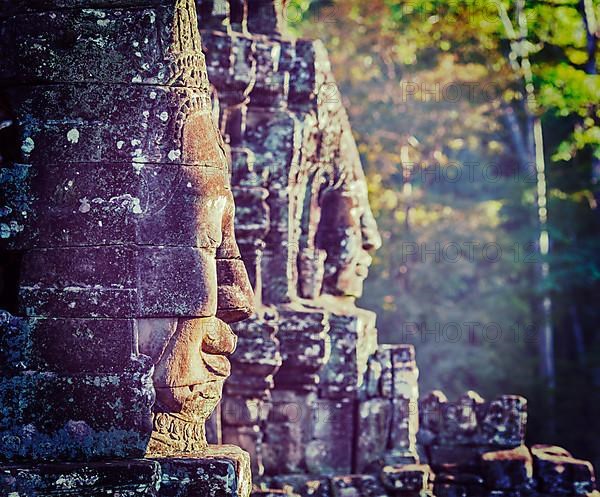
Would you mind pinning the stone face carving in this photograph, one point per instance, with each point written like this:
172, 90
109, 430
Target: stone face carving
347, 231
317, 243
129, 257
232, 69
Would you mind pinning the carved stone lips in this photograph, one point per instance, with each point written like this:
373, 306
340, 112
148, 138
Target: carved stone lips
217, 364
209, 390
362, 270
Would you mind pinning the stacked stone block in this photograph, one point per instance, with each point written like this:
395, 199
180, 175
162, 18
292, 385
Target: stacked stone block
478, 448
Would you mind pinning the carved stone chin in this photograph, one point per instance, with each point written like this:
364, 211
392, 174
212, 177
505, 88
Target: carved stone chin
173, 434
190, 368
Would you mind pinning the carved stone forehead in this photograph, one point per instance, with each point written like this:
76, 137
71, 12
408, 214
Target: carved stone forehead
155, 42
132, 79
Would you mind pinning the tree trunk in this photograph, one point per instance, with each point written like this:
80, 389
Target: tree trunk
577, 335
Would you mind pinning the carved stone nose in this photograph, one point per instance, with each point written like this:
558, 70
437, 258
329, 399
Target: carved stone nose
370, 233
235, 300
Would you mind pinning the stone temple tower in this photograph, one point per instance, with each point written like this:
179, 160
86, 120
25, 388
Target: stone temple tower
114, 350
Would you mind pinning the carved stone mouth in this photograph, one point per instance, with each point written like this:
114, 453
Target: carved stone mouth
362, 271
218, 364
209, 391
206, 390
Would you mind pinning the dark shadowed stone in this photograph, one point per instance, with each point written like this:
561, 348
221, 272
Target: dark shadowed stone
231, 64
330, 451
289, 431
219, 63
15, 208
130, 123
96, 204
459, 455
404, 405
94, 345
56, 416
302, 484
111, 45
250, 439
557, 472
431, 410
131, 478
512, 493
17, 6
458, 485
304, 348
119, 281
459, 432
265, 17
461, 484
353, 339
269, 87
273, 493
272, 137
460, 424
256, 358
405, 372
304, 80
372, 433
403, 432
213, 13
213, 427
386, 376
505, 421
284, 448
507, 469
99, 204
356, 486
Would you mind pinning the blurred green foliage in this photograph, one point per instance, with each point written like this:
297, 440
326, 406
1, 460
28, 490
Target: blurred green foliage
439, 110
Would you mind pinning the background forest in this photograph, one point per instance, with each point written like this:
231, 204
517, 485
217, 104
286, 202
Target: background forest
479, 126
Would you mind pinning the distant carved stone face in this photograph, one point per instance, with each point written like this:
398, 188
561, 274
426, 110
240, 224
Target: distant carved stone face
347, 230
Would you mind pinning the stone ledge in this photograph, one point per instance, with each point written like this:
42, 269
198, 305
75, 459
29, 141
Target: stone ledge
132, 478
222, 471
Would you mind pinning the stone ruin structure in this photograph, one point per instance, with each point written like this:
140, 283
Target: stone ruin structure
128, 131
